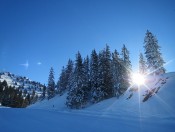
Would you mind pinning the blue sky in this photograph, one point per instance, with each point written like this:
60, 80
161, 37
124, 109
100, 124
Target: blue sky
52, 31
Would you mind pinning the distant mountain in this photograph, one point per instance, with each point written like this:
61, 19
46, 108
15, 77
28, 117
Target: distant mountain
22, 83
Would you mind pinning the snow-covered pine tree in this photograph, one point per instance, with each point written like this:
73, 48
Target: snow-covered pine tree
43, 92
154, 58
51, 84
105, 83
64, 79
86, 80
32, 97
69, 72
28, 99
142, 65
77, 95
116, 72
61, 84
126, 59
125, 70
94, 76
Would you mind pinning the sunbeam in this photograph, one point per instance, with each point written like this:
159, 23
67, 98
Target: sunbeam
160, 67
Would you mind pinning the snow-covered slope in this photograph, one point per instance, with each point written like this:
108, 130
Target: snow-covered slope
112, 115
57, 103
161, 102
32, 120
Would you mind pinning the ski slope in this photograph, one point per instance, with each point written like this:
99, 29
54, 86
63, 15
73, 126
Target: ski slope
112, 115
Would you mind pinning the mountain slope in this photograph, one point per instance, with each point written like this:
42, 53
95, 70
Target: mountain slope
112, 115
23, 83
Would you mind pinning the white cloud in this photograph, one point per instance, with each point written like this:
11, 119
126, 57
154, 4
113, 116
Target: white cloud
39, 63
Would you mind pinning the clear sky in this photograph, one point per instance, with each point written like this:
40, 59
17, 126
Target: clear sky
44, 33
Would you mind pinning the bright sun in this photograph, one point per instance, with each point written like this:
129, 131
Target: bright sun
138, 79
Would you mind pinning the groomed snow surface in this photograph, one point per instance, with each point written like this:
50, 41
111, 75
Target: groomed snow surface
157, 114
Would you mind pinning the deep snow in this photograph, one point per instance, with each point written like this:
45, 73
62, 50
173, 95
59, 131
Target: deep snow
112, 115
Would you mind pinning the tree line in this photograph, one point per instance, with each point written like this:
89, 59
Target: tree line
92, 79
103, 75
14, 97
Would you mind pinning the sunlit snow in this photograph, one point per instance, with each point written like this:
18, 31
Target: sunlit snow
157, 114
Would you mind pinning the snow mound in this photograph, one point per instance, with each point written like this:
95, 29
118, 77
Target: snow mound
57, 103
159, 104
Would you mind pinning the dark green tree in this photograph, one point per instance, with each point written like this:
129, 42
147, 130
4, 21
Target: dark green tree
51, 84
77, 94
105, 83
65, 77
94, 76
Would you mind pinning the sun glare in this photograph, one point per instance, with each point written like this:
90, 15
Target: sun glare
138, 79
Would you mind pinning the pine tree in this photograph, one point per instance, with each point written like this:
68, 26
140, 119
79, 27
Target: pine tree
14, 102
10, 96
142, 65
19, 99
154, 58
61, 84
116, 72
32, 97
126, 59
5, 94
43, 92
69, 72
105, 83
77, 94
94, 76
51, 84
64, 79
76, 83
126, 71
86, 80
26, 101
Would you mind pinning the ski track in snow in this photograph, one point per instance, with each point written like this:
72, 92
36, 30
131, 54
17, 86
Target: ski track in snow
18, 120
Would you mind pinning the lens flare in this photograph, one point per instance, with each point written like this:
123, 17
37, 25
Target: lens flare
138, 79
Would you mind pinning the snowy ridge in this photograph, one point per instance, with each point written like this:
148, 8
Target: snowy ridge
23, 83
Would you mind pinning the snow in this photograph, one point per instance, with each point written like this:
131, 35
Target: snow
57, 103
112, 115
19, 81
3, 106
